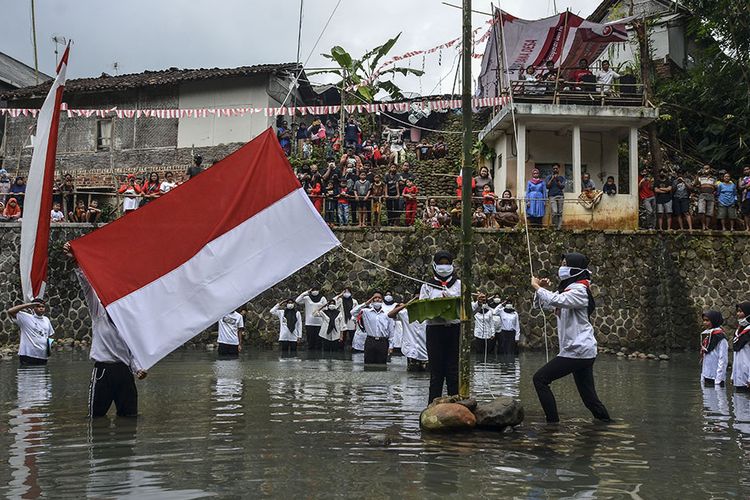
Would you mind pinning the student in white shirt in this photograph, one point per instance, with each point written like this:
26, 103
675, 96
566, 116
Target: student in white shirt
606, 76
290, 325
414, 341
741, 348
231, 329
714, 350
312, 299
378, 327
115, 368
389, 304
484, 325
443, 337
36, 329
168, 183
573, 304
510, 329
56, 215
332, 325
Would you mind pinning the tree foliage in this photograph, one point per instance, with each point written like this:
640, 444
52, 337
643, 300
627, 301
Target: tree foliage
359, 74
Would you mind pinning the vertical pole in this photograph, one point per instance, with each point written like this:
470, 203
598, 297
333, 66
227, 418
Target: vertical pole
633, 170
341, 119
112, 132
521, 166
33, 33
464, 369
577, 174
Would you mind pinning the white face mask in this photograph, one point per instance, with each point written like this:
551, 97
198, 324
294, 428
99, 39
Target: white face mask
443, 270
290, 306
315, 293
743, 322
566, 272
347, 295
332, 307
377, 305
388, 298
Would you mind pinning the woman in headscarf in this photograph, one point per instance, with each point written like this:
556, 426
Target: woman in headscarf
346, 303
507, 210
312, 300
573, 305
536, 198
331, 326
12, 211
714, 349
741, 348
290, 325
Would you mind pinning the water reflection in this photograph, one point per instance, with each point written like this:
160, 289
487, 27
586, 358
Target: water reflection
716, 408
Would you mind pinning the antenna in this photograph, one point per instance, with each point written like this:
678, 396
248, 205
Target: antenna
116, 67
58, 40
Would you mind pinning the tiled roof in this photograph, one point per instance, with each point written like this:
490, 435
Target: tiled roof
148, 79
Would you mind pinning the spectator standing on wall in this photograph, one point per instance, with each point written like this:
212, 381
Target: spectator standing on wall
410, 193
556, 193
392, 190
744, 188
196, 168
4, 185
647, 196
726, 192
284, 135
302, 135
483, 179
131, 190
706, 183
351, 134
681, 188
606, 77
345, 196
377, 195
168, 183
56, 215
150, 190
67, 192
316, 193
330, 203
362, 197
536, 198
663, 190
18, 190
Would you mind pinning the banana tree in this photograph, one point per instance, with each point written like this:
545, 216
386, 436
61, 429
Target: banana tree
359, 75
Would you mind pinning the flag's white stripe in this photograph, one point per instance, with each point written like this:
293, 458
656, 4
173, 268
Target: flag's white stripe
231, 270
33, 196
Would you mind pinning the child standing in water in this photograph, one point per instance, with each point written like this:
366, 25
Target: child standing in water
573, 305
741, 348
714, 349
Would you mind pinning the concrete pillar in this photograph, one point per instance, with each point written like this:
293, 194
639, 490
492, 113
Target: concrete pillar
633, 162
521, 162
500, 175
577, 159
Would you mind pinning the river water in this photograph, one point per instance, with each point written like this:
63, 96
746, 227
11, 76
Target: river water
307, 427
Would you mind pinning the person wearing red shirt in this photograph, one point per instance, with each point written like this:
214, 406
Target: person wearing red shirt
459, 180
583, 69
316, 196
646, 195
410, 195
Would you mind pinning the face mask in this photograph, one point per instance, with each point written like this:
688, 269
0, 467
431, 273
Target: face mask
377, 305
388, 299
566, 272
332, 307
290, 306
315, 293
443, 270
743, 322
347, 295
497, 301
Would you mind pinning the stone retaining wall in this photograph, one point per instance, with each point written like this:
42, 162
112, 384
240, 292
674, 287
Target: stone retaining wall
649, 287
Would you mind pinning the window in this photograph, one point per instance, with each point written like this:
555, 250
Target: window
545, 169
103, 134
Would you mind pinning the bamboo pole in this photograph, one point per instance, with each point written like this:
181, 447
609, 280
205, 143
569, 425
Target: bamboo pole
464, 366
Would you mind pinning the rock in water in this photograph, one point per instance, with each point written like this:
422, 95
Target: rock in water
470, 403
447, 417
498, 414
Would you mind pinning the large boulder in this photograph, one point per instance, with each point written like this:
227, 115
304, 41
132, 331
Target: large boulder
470, 403
447, 417
499, 413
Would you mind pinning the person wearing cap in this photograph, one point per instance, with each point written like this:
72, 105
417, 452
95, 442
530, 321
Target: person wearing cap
510, 329
378, 327
115, 367
36, 329
443, 336
196, 168
573, 305
312, 300
741, 348
714, 350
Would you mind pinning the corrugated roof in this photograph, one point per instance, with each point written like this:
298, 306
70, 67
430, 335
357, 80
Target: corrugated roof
148, 79
18, 74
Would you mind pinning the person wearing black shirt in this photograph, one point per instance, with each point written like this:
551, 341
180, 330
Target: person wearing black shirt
392, 183
196, 168
663, 190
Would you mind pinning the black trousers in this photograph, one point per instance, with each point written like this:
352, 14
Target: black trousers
312, 334
583, 373
442, 351
376, 350
480, 344
31, 361
287, 346
506, 343
112, 382
228, 350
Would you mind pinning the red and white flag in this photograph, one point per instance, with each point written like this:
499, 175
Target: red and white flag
172, 268
38, 197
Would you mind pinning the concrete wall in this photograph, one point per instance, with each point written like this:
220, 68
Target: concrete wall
650, 287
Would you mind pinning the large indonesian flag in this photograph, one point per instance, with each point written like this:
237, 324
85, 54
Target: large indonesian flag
170, 269
38, 198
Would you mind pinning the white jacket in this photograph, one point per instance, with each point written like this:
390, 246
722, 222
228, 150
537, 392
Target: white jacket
338, 324
715, 362
741, 363
484, 323
574, 331
310, 308
285, 334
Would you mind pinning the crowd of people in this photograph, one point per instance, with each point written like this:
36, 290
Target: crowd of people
581, 78
676, 200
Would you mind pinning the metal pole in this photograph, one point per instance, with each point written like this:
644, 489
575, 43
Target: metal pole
341, 120
464, 367
33, 31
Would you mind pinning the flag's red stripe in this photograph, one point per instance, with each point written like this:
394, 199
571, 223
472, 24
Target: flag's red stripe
148, 243
40, 256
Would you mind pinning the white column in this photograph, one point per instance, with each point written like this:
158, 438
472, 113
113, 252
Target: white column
501, 174
633, 162
521, 162
577, 159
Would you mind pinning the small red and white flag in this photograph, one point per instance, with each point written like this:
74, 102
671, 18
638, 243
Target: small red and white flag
38, 197
171, 269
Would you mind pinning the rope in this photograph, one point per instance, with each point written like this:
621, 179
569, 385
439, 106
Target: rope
389, 269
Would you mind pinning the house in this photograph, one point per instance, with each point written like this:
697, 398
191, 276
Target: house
112, 145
